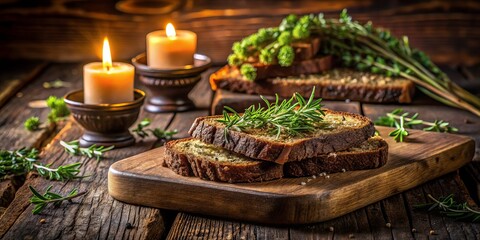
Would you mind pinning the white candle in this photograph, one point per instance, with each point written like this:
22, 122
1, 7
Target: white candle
107, 82
169, 49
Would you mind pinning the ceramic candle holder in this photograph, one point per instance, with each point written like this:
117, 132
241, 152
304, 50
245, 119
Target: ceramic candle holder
105, 124
168, 88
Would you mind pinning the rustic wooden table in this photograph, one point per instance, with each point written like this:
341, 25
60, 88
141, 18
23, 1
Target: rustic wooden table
98, 215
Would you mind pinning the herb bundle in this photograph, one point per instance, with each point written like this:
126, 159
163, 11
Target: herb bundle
93, 151
22, 161
160, 134
401, 121
360, 46
291, 117
58, 111
448, 207
40, 201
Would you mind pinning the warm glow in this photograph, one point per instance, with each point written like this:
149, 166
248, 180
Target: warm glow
107, 57
171, 31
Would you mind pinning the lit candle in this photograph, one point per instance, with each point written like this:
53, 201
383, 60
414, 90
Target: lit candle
168, 49
107, 82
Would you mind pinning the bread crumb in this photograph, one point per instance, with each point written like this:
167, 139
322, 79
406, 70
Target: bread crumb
344, 170
43, 220
414, 230
19, 94
331, 229
328, 176
432, 232
313, 176
388, 225
303, 183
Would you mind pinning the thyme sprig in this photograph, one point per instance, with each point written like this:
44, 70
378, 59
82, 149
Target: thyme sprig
447, 206
22, 161
401, 121
142, 131
40, 201
291, 117
359, 46
93, 151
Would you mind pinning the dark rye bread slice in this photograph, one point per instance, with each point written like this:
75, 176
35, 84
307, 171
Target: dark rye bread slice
372, 153
335, 84
192, 157
314, 65
338, 131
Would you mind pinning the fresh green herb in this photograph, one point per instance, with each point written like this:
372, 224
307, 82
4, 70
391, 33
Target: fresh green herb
40, 201
160, 134
56, 84
22, 161
292, 117
32, 124
448, 207
58, 109
401, 120
93, 151
359, 46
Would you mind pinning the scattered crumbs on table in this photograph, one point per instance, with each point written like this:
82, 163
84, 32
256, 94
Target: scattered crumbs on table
19, 94
432, 232
414, 230
388, 225
313, 176
43, 220
327, 177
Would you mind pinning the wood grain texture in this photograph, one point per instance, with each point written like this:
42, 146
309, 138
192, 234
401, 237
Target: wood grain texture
72, 30
286, 201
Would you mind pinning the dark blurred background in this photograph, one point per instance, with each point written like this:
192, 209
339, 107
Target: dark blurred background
72, 30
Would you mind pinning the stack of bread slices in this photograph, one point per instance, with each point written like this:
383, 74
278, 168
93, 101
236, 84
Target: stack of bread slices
310, 69
342, 142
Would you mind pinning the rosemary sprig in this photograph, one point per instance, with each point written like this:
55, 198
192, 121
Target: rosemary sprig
448, 207
40, 201
142, 131
401, 120
93, 151
291, 117
22, 161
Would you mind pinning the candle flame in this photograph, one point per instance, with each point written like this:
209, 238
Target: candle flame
107, 57
171, 31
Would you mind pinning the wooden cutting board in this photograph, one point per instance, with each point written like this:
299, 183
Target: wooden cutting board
142, 180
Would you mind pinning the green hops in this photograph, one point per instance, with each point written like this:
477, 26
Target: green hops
248, 71
286, 55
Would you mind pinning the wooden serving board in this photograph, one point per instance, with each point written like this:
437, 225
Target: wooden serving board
142, 180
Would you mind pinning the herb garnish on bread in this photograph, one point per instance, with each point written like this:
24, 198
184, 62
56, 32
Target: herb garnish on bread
290, 130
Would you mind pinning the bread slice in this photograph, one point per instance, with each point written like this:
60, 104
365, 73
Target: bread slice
336, 84
192, 157
372, 153
337, 132
264, 71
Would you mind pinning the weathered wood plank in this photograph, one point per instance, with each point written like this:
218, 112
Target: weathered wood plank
96, 214
64, 30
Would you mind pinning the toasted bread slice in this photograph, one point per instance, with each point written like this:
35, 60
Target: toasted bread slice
337, 132
372, 153
336, 84
192, 157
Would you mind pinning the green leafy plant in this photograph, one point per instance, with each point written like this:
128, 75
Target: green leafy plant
291, 117
58, 109
448, 207
142, 131
40, 201
22, 161
401, 121
359, 46
32, 124
93, 151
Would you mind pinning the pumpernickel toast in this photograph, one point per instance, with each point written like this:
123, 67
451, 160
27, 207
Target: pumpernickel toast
338, 131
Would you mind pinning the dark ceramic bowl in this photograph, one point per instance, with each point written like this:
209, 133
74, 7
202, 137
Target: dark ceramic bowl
105, 124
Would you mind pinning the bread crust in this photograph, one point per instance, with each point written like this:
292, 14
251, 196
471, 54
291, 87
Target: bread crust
278, 151
229, 78
187, 164
340, 161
